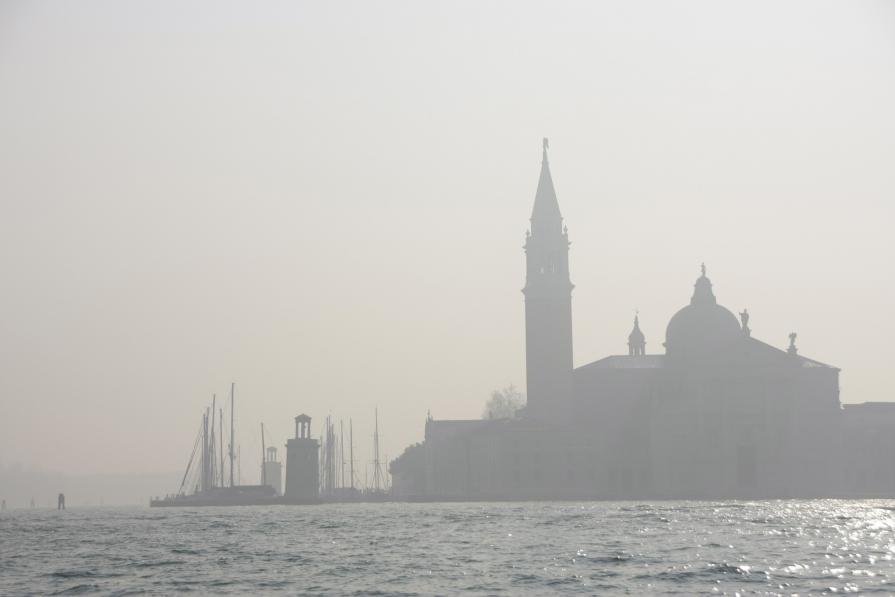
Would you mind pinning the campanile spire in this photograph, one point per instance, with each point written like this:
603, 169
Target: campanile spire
548, 305
545, 215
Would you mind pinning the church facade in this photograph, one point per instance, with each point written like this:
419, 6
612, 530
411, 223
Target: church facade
719, 415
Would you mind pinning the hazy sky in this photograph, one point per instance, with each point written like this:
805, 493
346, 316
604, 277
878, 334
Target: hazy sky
327, 203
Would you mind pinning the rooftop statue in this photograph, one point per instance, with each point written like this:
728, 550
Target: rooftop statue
744, 319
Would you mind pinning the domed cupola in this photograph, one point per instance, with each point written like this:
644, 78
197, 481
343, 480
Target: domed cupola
703, 326
702, 291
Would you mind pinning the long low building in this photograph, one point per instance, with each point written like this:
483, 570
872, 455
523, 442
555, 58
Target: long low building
719, 415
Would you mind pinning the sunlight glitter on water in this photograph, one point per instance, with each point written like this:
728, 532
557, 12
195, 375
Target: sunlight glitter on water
773, 547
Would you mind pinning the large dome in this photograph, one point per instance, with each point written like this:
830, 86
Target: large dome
703, 326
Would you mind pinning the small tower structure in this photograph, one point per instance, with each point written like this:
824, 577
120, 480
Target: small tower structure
636, 340
302, 463
273, 470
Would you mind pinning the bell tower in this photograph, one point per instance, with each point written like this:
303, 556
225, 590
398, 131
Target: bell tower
548, 307
636, 340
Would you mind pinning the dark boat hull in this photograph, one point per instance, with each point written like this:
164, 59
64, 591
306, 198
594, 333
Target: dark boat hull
241, 495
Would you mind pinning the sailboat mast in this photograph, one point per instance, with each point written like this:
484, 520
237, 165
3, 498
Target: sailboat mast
204, 478
377, 481
221, 447
263, 457
330, 469
189, 465
351, 449
342, 453
203, 454
232, 436
211, 457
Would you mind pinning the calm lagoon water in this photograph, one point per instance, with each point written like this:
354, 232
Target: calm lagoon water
607, 548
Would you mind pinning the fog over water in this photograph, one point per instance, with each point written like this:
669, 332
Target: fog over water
327, 203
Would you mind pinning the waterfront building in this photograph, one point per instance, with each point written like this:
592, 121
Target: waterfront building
716, 414
302, 463
272, 473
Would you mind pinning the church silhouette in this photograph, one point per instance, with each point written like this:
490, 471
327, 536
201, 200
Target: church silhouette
719, 414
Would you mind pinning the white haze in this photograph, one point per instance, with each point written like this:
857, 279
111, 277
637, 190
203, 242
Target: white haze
326, 203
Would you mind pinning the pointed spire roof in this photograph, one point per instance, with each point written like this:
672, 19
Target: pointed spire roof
545, 214
636, 334
636, 340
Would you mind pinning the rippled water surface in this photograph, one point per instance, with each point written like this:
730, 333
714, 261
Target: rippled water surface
786, 547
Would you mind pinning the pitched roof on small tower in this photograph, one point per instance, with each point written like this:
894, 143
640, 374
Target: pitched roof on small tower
545, 213
636, 334
636, 339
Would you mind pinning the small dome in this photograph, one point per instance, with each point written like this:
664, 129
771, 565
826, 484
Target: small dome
702, 326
